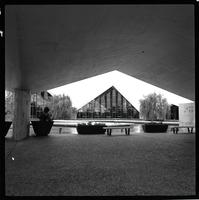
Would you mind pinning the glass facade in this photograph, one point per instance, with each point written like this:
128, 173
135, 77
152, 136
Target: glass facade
110, 104
38, 102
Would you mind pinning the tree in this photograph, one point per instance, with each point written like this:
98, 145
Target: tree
61, 107
154, 107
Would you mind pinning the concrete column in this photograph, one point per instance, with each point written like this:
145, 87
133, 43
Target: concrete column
21, 121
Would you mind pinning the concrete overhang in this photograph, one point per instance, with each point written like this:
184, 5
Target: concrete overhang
47, 46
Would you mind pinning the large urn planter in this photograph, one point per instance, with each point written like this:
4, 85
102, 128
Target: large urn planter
42, 128
7, 127
90, 129
155, 128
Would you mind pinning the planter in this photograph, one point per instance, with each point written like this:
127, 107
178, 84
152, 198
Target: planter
7, 127
155, 128
41, 128
91, 129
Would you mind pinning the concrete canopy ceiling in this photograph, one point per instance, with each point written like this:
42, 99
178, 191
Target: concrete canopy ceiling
47, 46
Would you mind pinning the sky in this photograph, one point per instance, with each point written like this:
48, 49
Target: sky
81, 92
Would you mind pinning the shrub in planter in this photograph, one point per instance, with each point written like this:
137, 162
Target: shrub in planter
7, 127
91, 128
42, 128
155, 128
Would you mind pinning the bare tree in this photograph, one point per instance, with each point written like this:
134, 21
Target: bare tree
61, 107
154, 107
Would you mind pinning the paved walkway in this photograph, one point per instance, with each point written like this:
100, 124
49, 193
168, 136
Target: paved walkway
71, 164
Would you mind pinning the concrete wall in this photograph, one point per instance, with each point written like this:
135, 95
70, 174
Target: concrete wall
187, 114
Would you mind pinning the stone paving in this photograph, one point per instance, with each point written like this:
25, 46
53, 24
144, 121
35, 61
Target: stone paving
85, 165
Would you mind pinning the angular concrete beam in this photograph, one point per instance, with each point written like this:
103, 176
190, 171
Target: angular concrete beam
49, 46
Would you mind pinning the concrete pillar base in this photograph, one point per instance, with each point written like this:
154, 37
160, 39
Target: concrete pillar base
21, 121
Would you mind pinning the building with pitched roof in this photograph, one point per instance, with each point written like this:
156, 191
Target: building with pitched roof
110, 104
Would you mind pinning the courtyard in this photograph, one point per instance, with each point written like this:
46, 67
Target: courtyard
151, 43
85, 165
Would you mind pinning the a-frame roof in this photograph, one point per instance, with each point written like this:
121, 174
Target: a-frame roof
110, 88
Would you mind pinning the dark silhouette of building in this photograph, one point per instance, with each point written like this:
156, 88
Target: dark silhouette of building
109, 104
174, 112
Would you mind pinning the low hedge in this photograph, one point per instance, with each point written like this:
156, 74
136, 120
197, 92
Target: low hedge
91, 128
155, 128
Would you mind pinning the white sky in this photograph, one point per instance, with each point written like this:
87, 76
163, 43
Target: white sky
81, 92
